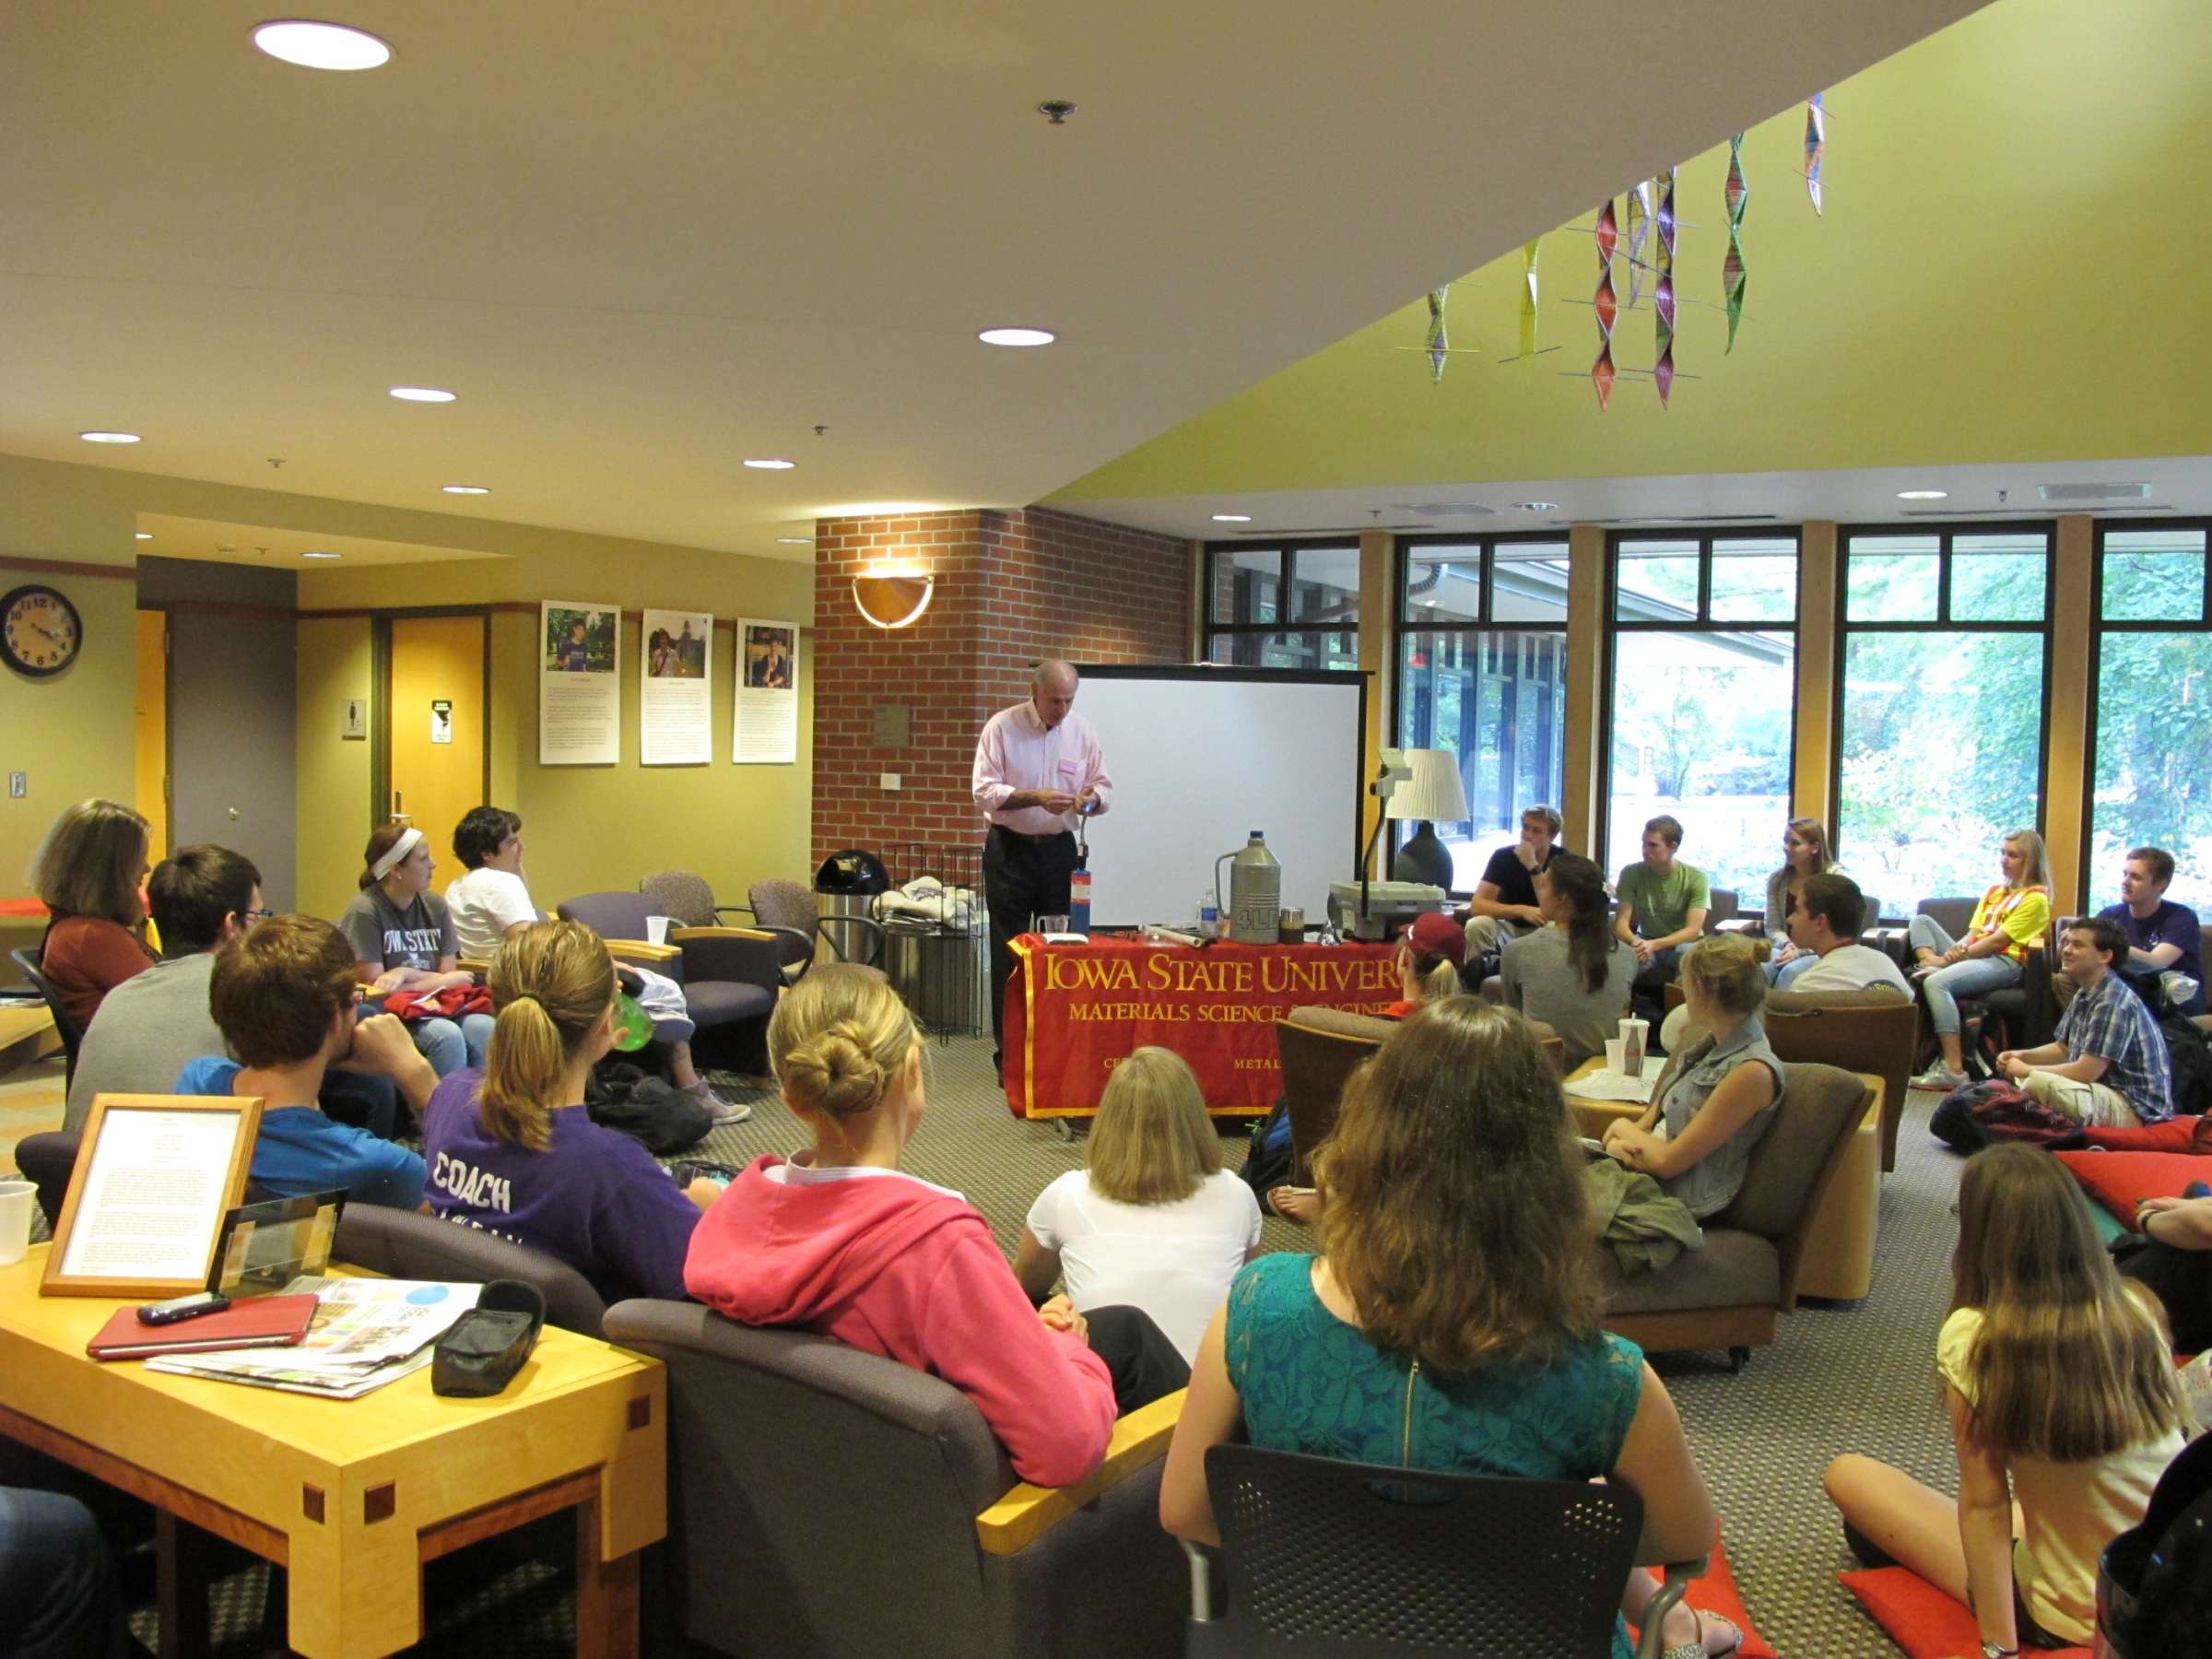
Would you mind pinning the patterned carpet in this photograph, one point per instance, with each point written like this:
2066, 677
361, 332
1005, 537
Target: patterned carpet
1842, 1377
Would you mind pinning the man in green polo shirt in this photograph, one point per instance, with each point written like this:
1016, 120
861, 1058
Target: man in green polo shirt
1663, 906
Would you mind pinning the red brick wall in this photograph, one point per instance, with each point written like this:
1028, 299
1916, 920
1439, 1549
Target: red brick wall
1011, 588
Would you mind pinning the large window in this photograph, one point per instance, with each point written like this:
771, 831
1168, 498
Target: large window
1703, 700
2151, 780
1939, 745
1482, 662
1283, 605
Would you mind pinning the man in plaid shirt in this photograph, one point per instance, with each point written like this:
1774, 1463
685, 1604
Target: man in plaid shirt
2108, 1068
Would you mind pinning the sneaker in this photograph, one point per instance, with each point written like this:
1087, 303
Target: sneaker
1940, 1076
720, 1111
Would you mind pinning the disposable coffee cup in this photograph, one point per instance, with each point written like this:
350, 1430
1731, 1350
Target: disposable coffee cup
1612, 1053
1051, 924
656, 929
15, 1199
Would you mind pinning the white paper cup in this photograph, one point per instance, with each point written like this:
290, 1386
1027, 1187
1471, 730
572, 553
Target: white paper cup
656, 929
15, 1199
1613, 1053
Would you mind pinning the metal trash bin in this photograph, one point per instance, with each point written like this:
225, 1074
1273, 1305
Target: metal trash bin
846, 885
940, 973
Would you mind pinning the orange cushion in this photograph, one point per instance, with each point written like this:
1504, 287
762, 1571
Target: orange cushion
1919, 1618
1715, 1592
2120, 1181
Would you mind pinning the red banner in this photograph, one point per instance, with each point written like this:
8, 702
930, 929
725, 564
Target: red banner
1073, 1012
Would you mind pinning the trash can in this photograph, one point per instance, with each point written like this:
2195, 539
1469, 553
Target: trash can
941, 972
846, 885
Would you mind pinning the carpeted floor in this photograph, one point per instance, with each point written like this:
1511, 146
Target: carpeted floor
1842, 1377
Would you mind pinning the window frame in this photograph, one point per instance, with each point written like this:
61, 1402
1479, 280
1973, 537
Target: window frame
1702, 623
2099, 629
1946, 533
1401, 623
1287, 548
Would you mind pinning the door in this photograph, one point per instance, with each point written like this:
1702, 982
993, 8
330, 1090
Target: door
232, 736
434, 728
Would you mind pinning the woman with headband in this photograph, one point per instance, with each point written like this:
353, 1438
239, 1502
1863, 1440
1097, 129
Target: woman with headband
403, 936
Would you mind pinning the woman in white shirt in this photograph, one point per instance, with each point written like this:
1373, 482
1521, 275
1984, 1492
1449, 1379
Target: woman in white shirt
2057, 1377
490, 901
1153, 1221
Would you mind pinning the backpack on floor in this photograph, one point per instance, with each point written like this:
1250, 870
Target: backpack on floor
627, 1099
2189, 1051
1269, 1162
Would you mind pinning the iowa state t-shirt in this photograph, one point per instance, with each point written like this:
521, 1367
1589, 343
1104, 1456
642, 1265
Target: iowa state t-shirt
414, 938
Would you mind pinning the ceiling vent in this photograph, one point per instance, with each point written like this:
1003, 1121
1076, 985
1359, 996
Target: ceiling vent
2092, 492
1444, 509
1998, 513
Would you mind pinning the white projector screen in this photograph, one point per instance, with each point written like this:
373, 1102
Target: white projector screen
1200, 758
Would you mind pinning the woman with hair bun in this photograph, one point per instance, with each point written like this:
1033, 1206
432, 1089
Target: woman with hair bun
511, 1150
1717, 1097
841, 1241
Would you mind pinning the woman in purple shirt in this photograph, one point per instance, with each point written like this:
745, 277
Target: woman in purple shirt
511, 1150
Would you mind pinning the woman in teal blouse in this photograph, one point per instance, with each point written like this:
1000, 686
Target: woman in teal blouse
1451, 1322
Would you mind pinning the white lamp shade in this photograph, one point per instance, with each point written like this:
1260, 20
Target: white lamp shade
1434, 792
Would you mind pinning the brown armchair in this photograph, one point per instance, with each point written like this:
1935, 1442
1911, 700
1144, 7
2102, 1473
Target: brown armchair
792, 1456
1873, 1031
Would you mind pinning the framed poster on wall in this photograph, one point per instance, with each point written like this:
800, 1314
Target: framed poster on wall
578, 683
766, 727
676, 669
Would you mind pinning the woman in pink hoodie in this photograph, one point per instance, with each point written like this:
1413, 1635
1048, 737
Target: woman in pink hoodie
841, 1241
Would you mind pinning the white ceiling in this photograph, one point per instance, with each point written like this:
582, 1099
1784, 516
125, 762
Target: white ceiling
646, 242
2174, 486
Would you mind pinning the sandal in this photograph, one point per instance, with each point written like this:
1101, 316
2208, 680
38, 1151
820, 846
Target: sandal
1736, 1633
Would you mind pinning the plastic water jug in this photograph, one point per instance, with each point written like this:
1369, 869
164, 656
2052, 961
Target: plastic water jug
1079, 901
1255, 889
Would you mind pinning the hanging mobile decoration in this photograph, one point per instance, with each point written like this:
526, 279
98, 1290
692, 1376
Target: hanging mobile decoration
1815, 145
1603, 304
1438, 347
1528, 300
1732, 265
1639, 233
1662, 291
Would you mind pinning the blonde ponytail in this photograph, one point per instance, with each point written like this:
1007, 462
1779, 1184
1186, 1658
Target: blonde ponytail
838, 1040
551, 984
1440, 980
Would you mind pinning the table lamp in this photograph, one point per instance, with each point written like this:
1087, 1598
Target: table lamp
1432, 795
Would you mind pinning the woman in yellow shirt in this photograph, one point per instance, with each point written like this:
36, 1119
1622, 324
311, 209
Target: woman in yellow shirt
2012, 915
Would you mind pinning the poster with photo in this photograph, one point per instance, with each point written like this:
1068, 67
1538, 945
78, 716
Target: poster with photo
766, 730
675, 710
578, 683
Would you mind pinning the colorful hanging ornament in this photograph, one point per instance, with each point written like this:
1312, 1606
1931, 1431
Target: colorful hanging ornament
1603, 302
1732, 265
1528, 300
1438, 347
1815, 145
1663, 292
1639, 232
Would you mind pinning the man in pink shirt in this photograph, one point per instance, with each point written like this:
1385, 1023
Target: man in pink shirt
1037, 767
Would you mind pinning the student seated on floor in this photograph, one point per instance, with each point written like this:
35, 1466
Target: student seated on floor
1450, 1323
2107, 1067
2063, 1402
511, 1149
1716, 1098
839, 1239
1152, 1219
201, 899
286, 1000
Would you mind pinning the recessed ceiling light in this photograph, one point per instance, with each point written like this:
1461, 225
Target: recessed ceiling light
423, 395
1018, 336
108, 437
1922, 495
770, 463
466, 488
142, 536
319, 553
1233, 518
1537, 506
322, 45
796, 541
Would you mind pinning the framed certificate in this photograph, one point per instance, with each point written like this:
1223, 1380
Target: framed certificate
155, 1176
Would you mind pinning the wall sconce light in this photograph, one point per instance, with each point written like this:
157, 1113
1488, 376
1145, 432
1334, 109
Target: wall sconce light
893, 599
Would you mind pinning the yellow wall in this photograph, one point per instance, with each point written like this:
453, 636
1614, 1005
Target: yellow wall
335, 815
150, 792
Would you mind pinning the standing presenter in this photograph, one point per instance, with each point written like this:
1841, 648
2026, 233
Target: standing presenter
1037, 767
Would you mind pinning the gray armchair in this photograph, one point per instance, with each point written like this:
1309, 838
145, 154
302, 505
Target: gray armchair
731, 975
790, 910
791, 1456
408, 1245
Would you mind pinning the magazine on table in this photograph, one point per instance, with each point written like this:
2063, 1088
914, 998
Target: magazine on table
1615, 1085
366, 1332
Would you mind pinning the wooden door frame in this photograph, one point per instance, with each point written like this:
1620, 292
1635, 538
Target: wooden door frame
380, 712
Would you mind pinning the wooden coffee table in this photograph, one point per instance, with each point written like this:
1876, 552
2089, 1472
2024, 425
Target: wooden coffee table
352, 1496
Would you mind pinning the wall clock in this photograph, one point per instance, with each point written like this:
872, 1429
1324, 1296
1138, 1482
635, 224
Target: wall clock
40, 632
